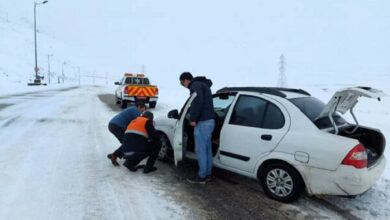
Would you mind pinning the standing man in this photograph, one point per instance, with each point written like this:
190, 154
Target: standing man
117, 126
202, 119
141, 140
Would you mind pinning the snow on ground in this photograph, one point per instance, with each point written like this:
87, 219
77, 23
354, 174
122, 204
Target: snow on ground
53, 159
56, 179
18, 60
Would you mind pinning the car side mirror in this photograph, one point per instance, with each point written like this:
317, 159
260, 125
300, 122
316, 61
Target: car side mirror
173, 114
116, 83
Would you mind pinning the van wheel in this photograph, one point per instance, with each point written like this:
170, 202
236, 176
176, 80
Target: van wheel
152, 104
124, 104
281, 182
163, 155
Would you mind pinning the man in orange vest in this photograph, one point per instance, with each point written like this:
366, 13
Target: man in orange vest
118, 125
141, 140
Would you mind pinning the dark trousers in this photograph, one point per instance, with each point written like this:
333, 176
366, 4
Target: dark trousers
119, 133
134, 158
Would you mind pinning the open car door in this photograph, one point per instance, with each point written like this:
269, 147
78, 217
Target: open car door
179, 140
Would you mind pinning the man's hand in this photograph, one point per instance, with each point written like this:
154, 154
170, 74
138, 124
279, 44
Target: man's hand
193, 124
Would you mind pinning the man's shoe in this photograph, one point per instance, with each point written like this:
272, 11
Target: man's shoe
197, 179
208, 178
131, 168
112, 157
149, 169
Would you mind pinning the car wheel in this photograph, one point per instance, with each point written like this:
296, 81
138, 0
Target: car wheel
152, 104
163, 155
281, 182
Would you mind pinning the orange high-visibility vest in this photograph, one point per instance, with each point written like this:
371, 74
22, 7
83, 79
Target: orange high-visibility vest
137, 126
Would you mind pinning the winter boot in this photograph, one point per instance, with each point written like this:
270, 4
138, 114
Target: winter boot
112, 157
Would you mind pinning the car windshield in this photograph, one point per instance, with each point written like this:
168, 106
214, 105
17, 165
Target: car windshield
312, 107
222, 101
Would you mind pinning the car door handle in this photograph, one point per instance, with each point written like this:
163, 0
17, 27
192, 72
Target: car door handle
266, 137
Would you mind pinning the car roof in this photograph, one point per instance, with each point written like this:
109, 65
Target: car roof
287, 93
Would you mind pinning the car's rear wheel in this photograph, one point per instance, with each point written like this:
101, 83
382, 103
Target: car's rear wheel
281, 182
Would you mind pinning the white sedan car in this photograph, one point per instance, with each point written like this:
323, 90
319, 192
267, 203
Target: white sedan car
288, 140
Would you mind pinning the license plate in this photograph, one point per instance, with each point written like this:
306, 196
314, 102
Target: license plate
141, 97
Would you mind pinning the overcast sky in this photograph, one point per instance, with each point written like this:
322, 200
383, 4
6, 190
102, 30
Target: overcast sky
220, 38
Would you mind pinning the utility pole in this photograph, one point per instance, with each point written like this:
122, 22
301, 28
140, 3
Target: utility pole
48, 66
143, 68
79, 74
282, 81
63, 73
37, 80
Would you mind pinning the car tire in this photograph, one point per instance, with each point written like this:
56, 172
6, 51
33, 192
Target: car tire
152, 104
164, 154
281, 182
124, 104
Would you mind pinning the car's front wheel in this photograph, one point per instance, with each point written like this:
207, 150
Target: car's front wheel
281, 182
164, 153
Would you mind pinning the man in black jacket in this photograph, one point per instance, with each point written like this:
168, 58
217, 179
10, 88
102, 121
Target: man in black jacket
202, 118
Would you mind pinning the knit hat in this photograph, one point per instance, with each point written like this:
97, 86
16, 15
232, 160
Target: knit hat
148, 115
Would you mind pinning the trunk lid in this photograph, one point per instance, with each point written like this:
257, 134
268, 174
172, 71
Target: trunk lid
345, 99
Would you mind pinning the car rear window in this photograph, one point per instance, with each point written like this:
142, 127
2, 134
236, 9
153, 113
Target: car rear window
312, 107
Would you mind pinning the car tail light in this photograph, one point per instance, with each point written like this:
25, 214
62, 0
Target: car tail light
156, 91
357, 157
126, 90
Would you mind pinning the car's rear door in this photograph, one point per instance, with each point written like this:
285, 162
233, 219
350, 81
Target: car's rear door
255, 125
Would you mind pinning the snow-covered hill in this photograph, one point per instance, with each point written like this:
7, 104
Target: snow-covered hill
17, 55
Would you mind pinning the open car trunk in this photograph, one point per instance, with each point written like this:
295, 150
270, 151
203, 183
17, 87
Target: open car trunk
373, 140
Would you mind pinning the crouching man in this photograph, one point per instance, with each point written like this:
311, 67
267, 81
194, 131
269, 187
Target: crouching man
141, 140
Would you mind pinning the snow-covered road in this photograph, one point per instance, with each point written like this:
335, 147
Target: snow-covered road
53, 146
52, 162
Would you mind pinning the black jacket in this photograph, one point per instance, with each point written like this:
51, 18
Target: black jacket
202, 107
138, 143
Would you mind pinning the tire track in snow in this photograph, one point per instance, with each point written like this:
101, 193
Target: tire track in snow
9, 122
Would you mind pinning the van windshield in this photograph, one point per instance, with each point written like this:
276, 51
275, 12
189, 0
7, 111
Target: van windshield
312, 108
